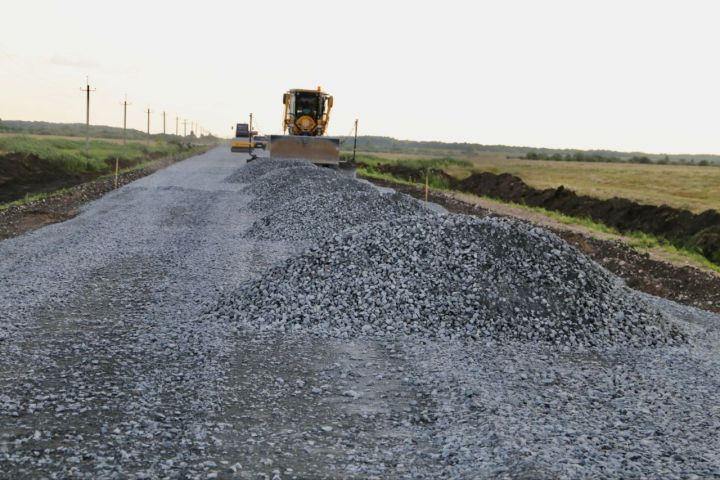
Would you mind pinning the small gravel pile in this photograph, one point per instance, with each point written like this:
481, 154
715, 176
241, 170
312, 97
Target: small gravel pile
257, 168
451, 276
283, 185
320, 216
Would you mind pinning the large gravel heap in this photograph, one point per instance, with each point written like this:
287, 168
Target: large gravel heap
455, 276
256, 169
283, 185
320, 216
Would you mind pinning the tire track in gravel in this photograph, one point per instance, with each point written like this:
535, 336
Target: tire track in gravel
111, 370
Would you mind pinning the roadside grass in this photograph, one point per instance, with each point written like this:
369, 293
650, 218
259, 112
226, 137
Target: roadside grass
439, 163
638, 240
444, 164
643, 241
118, 141
71, 156
691, 187
63, 191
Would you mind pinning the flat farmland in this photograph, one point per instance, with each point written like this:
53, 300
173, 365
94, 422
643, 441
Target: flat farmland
696, 188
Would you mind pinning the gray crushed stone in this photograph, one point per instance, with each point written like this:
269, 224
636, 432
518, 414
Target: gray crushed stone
519, 410
110, 369
502, 407
452, 275
259, 167
280, 186
319, 216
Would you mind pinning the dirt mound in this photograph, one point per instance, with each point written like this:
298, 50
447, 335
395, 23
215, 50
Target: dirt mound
22, 175
409, 173
700, 231
683, 228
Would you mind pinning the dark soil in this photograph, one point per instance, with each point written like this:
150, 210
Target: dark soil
22, 175
683, 284
683, 228
18, 219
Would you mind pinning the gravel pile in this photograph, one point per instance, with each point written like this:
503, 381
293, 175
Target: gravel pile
451, 276
320, 216
256, 169
111, 370
283, 185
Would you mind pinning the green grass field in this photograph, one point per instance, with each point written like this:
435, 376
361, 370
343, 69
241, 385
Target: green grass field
694, 188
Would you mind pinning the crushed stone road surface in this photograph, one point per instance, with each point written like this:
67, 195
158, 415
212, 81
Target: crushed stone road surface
109, 368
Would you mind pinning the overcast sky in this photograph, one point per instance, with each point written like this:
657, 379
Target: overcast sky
624, 75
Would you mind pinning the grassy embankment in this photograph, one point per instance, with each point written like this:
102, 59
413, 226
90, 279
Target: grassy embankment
63, 157
681, 186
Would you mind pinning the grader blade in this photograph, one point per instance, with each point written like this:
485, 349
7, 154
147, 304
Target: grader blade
318, 150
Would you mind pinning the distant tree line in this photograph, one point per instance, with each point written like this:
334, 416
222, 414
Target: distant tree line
393, 145
390, 145
585, 157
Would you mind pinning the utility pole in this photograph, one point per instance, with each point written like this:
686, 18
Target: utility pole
148, 120
87, 91
117, 160
184, 128
177, 122
125, 105
163, 122
355, 141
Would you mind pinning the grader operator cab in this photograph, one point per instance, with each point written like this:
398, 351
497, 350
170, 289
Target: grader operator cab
305, 121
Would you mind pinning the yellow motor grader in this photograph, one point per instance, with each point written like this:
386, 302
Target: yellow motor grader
305, 122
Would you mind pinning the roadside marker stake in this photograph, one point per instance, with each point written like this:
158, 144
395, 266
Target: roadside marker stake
427, 183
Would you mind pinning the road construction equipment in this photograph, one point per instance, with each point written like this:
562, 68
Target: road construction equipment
307, 114
260, 142
243, 138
